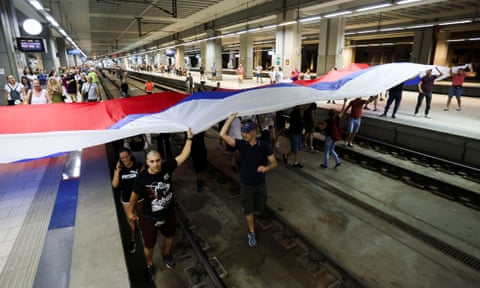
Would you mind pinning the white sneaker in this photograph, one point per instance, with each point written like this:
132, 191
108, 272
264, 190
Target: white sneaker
427, 116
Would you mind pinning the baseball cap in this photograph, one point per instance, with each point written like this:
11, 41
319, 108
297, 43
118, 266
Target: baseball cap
248, 127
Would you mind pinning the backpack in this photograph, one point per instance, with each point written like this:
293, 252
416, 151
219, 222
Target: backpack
14, 94
336, 133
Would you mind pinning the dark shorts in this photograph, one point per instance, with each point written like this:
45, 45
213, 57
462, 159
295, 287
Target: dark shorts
253, 198
308, 126
149, 230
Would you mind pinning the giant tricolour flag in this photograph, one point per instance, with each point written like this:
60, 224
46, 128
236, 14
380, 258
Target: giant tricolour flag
33, 131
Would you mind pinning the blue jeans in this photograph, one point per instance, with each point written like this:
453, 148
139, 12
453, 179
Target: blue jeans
455, 90
329, 148
428, 100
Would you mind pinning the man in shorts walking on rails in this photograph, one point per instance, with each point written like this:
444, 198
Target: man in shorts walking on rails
256, 158
158, 212
355, 118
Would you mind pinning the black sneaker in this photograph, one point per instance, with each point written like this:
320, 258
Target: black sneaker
149, 273
285, 158
338, 164
169, 261
324, 166
298, 165
252, 239
131, 247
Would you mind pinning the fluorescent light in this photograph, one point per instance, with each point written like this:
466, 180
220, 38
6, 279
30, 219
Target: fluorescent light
314, 18
254, 29
391, 29
373, 7
350, 33
407, 1
36, 4
455, 22
474, 39
455, 40
338, 14
51, 20
269, 27
367, 31
287, 23
419, 26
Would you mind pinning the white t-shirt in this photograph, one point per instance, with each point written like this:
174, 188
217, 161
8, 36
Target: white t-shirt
91, 89
39, 98
18, 87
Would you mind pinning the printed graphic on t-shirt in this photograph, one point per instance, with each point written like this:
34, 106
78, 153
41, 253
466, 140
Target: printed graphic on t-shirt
160, 195
131, 174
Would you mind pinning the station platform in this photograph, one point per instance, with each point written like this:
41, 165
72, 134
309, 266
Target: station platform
461, 123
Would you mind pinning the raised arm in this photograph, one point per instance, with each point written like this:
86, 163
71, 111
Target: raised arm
223, 133
343, 108
439, 72
186, 148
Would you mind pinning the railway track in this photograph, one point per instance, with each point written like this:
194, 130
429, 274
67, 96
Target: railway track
212, 269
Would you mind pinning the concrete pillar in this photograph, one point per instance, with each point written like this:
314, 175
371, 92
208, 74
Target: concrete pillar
62, 51
288, 44
441, 50
50, 59
180, 57
10, 61
348, 54
330, 46
246, 54
213, 56
423, 43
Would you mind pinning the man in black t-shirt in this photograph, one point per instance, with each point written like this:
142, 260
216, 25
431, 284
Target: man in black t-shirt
158, 213
256, 158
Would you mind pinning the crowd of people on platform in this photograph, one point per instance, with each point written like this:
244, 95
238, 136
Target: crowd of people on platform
66, 85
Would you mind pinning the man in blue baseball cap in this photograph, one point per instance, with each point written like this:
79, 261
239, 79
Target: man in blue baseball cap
256, 158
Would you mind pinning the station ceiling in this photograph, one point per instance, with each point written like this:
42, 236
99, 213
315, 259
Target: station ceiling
116, 26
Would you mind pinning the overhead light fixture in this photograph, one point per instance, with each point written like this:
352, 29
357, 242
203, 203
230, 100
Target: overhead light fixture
391, 29
310, 19
337, 14
287, 23
407, 2
269, 27
455, 40
455, 22
32, 26
36, 4
474, 39
373, 7
52, 21
254, 29
419, 26
367, 31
